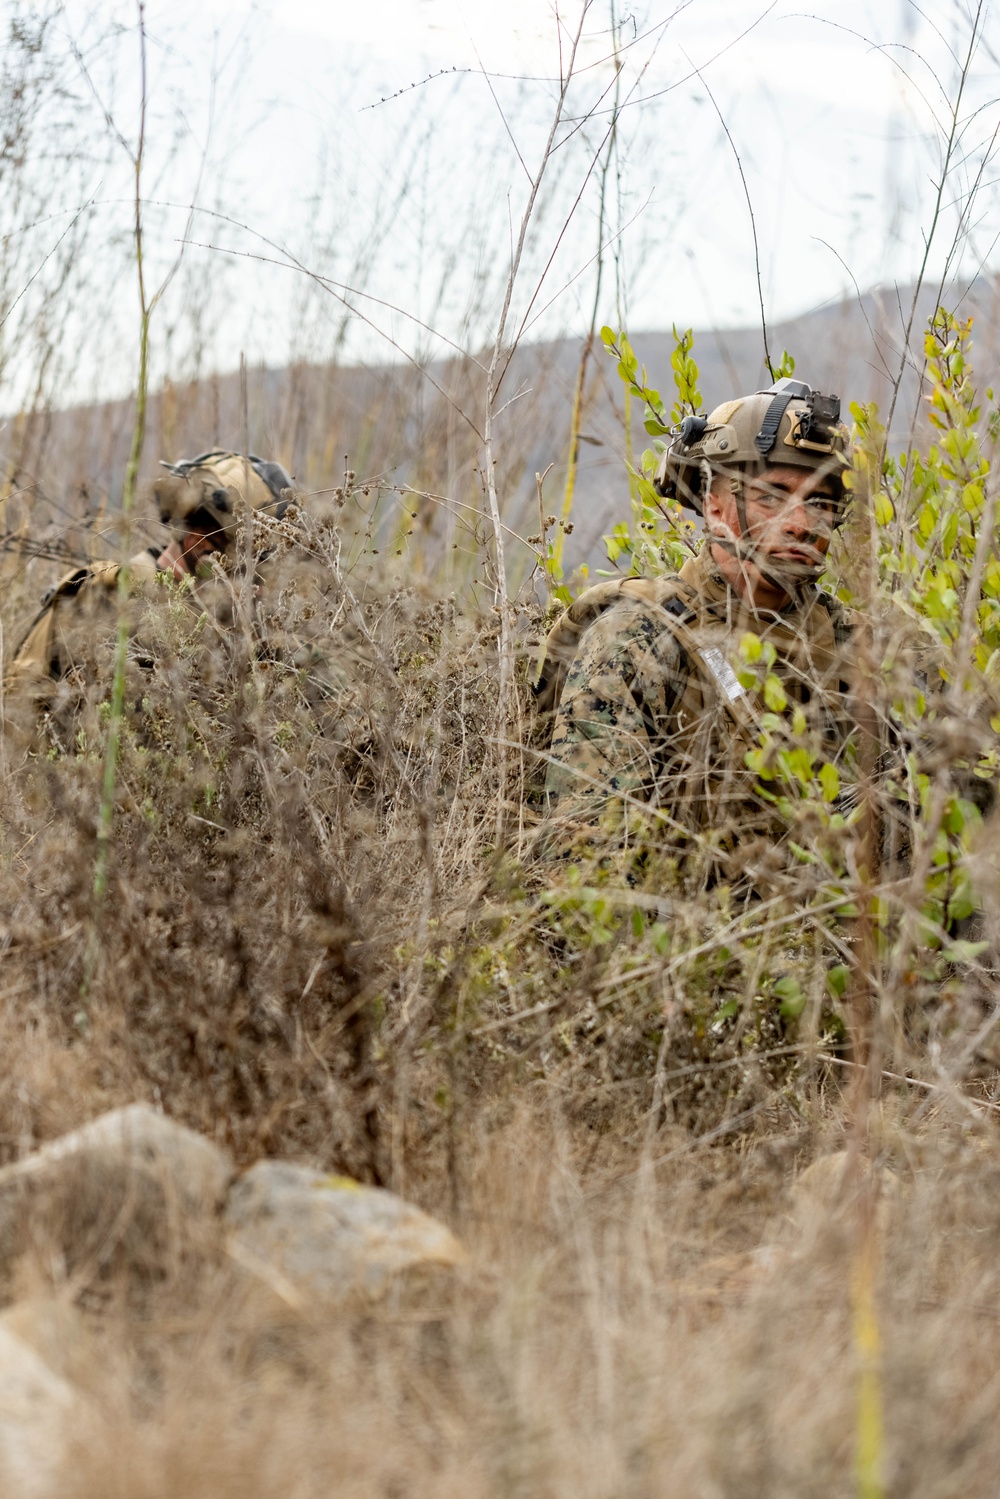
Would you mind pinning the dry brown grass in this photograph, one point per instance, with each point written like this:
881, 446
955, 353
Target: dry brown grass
312, 947
308, 949
680, 1333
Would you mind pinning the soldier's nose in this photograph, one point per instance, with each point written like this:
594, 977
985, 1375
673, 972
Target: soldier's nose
797, 520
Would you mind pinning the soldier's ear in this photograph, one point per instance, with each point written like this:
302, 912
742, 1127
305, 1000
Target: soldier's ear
719, 510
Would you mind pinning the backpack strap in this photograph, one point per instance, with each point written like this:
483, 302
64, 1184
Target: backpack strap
563, 640
678, 599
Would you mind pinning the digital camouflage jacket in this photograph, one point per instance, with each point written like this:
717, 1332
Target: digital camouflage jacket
647, 710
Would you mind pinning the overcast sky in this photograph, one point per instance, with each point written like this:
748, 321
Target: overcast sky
273, 116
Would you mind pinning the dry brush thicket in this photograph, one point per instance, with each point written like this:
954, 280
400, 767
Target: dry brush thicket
310, 947
618, 1086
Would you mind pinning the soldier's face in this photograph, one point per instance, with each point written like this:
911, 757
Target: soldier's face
790, 514
196, 546
185, 556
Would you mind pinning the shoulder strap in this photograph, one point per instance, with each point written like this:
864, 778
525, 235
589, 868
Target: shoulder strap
677, 598
563, 640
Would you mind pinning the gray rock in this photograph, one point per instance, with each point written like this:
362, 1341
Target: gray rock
829, 1190
318, 1237
40, 1414
131, 1190
140, 1139
135, 1206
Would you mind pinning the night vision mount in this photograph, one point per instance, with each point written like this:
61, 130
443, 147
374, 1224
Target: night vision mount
816, 427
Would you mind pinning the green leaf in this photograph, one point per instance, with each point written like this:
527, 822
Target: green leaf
774, 694
829, 780
793, 1001
797, 764
608, 336
964, 952
926, 522
884, 511
953, 820
837, 980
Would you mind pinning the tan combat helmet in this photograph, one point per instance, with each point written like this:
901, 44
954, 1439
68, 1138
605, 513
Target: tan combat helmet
210, 487
787, 424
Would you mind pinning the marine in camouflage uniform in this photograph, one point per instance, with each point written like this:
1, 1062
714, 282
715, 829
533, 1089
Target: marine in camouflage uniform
200, 500
649, 717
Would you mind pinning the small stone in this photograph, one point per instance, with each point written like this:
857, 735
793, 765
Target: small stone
142, 1139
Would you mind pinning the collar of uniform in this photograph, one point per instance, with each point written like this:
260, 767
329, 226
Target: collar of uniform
701, 573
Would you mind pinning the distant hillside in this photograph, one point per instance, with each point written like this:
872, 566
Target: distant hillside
410, 426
